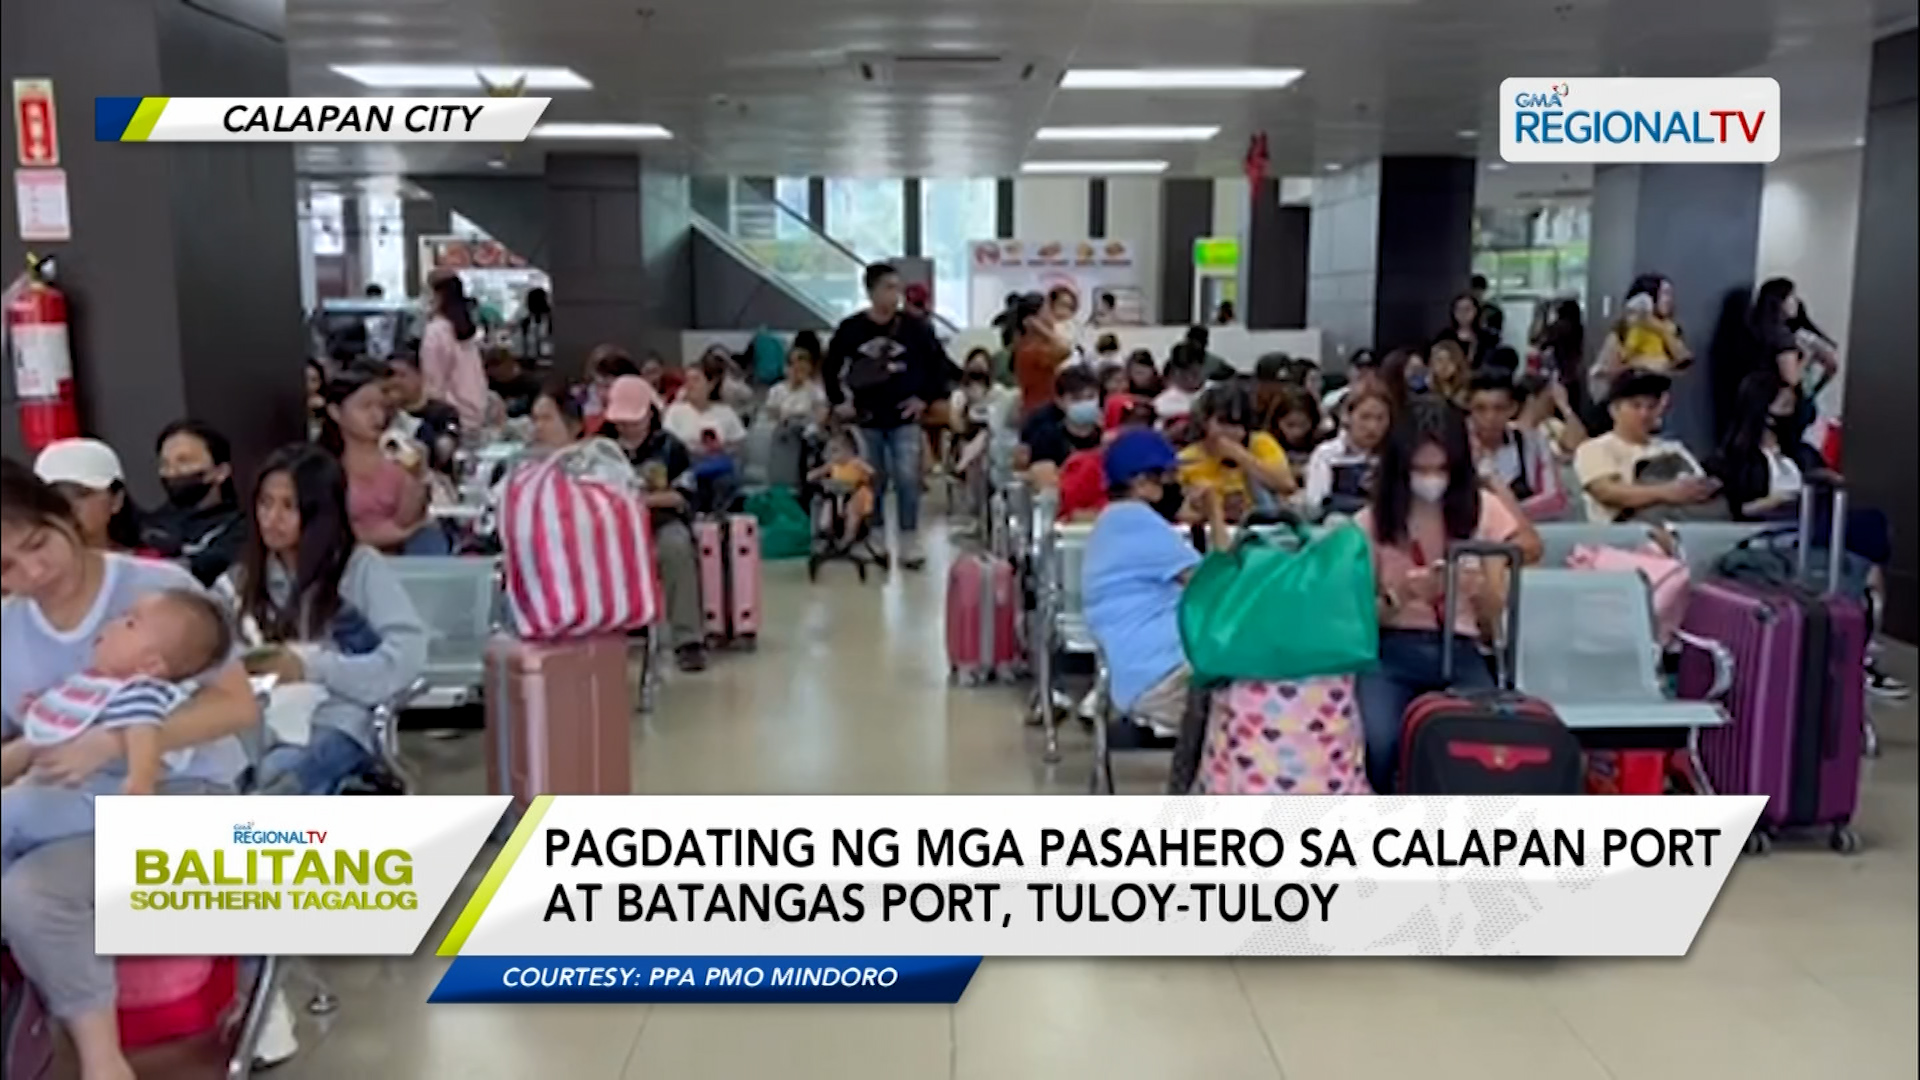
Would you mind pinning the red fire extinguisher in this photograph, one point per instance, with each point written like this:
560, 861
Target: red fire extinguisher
42, 361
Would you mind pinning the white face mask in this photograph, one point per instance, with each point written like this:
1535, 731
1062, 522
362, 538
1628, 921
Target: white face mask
1429, 488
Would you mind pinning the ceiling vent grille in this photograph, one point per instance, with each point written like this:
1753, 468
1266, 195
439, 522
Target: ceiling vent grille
943, 69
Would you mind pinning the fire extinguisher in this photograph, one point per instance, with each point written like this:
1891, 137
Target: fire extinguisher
37, 345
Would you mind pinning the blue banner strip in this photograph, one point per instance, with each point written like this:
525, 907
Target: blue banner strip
111, 115
743, 979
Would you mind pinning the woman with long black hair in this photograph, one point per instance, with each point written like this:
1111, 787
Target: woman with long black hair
387, 500
1427, 494
320, 607
201, 523
450, 354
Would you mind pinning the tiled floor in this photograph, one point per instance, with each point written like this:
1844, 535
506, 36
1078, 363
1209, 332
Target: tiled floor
1806, 969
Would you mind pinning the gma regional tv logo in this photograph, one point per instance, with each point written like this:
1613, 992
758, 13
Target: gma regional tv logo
1640, 120
273, 868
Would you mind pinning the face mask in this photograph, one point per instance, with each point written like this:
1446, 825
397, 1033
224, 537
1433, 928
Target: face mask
187, 491
1417, 381
1170, 501
978, 378
1083, 413
1429, 488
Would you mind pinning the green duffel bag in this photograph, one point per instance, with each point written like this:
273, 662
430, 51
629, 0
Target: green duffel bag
1280, 611
785, 531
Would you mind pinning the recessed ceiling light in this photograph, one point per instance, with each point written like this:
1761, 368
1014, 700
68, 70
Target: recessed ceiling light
1094, 167
1334, 166
1468, 133
1496, 166
1129, 133
1860, 140
460, 76
571, 130
1222, 78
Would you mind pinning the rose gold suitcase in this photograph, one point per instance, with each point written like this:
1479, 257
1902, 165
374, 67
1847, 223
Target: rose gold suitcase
559, 718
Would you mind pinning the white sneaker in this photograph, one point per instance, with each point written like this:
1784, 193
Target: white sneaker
912, 556
277, 1041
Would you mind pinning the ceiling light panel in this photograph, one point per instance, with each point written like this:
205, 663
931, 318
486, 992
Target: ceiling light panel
1180, 78
1092, 168
459, 76
1129, 133
572, 130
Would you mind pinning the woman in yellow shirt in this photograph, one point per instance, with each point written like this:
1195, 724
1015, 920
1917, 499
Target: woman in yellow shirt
1244, 467
1646, 337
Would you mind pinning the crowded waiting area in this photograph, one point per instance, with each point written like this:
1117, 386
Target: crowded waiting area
1251, 429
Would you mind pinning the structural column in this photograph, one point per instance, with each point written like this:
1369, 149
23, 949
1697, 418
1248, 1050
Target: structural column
1274, 271
1391, 243
1698, 226
1880, 459
183, 271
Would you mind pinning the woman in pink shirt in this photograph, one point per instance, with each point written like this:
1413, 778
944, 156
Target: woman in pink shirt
1427, 494
450, 354
386, 501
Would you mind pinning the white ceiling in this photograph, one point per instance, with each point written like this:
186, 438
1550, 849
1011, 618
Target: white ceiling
760, 87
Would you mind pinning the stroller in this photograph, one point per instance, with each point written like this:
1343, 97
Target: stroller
831, 503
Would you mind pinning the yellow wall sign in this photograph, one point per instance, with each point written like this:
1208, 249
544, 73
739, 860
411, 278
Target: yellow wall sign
1216, 254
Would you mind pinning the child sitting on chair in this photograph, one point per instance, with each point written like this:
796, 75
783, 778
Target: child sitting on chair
849, 480
139, 662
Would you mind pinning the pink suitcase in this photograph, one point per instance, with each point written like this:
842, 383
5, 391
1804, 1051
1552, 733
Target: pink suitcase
729, 577
559, 718
1798, 703
983, 603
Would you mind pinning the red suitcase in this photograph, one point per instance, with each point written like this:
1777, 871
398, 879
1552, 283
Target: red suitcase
983, 604
729, 577
1497, 743
1798, 703
559, 718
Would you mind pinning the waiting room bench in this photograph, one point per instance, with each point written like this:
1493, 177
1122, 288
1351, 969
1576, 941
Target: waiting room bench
1587, 648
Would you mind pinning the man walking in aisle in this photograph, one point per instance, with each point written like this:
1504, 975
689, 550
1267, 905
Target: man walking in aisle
884, 366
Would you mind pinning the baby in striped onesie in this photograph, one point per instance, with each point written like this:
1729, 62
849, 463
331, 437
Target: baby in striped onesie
135, 679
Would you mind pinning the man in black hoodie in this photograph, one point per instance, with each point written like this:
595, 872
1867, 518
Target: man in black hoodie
883, 367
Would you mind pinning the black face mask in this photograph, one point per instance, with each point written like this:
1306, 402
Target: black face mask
978, 378
1170, 501
187, 491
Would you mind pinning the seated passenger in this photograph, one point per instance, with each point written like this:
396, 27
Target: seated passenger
318, 606
1547, 412
201, 524
1243, 468
388, 500
983, 414
514, 385
662, 461
557, 419
1136, 565
133, 680
1340, 470
1517, 460
1068, 423
703, 424
799, 400
429, 421
1427, 495
1185, 378
1631, 474
1448, 373
61, 595
607, 363
1143, 375
1294, 421
87, 473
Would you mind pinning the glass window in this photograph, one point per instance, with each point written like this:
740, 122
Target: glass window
791, 193
953, 214
868, 216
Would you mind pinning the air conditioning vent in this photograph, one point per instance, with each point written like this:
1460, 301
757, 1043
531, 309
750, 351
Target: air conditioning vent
943, 69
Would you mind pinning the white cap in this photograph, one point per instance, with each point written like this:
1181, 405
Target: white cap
88, 463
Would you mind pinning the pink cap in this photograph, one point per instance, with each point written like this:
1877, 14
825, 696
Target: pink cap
630, 398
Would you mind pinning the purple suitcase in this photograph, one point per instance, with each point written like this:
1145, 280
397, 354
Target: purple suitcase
1798, 704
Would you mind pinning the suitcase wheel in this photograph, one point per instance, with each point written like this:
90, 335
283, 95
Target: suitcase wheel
813, 568
1759, 842
1844, 840
747, 642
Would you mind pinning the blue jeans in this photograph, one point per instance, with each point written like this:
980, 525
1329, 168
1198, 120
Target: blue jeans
1409, 666
330, 758
894, 454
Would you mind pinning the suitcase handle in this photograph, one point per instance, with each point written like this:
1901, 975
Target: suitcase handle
1837, 534
1507, 654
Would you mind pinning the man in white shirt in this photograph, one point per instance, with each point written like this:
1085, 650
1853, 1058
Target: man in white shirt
1628, 473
